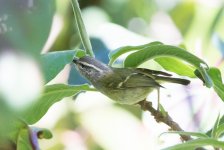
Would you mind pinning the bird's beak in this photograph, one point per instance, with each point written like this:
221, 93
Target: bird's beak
75, 60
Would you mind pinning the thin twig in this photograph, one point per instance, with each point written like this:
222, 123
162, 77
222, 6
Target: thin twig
159, 117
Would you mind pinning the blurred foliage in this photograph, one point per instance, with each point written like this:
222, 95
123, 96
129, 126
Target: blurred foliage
25, 24
187, 11
25, 27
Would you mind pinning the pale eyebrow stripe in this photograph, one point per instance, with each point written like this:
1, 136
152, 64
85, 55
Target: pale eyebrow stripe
92, 66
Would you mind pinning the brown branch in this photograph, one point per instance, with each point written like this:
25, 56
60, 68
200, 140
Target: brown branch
159, 117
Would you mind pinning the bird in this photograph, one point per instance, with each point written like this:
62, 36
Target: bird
123, 85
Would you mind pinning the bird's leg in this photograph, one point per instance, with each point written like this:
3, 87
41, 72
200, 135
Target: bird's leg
158, 99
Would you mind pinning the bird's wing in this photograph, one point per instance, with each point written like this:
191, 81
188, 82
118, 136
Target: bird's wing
150, 72
137, 80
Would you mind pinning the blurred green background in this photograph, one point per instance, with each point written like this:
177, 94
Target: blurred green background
29, 28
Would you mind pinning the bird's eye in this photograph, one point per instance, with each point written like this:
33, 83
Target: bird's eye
81, 65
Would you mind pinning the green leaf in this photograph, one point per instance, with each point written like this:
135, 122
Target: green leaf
162, 110
23, 141
216, 77
122, 50
177, 66
51, 95
54, 62
137, 58
197, 143
196, 134
15, 126
168, 63
213, 134
27, 24
219, 131
81, 28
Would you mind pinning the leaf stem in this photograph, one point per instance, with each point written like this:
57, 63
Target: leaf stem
81, 28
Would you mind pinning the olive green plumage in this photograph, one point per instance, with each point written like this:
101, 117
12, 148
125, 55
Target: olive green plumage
124, 85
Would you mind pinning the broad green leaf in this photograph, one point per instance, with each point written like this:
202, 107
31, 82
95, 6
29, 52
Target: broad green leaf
218, 86
27, 24
23, 141
177, 66
54, 62
137, 58
197, 143
196, 134
168, 63
51, 95
122, 50
81, 28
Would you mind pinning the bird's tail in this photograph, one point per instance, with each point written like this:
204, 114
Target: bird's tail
172, 80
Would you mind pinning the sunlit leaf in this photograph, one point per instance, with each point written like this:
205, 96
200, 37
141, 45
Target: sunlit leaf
177, 66
51, 95
23, 141
219, 131
54, 62
139, 57
215, 75
168, 63
196, 134
122, 50
213, 134
197, 143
